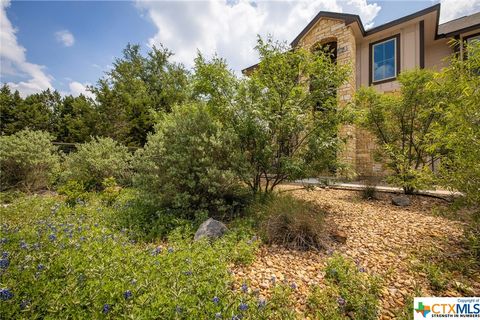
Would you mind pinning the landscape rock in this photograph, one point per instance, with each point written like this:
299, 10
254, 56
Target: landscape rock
401, 201
211, 229
339, 236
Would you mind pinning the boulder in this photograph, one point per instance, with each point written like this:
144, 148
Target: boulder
211, 229
401, 200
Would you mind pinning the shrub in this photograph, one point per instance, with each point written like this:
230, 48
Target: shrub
350, 290
28, 160
68, 262
187, 165
97, 160
74, 192
369, 192
292, 223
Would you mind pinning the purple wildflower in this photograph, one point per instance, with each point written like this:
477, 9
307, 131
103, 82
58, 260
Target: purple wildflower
106, 308
5, 254
23, 244
4, 240
215, 300
40, 267
361, 269
127, 294
244, 288
188, 273
24, 304
178, 309
157, 251
293, 285
273, 279
5, 294
52, 237
170, 250
243, 307
4, 263
341, 302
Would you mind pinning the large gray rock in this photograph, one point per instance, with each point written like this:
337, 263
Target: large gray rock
211, 229
401, 200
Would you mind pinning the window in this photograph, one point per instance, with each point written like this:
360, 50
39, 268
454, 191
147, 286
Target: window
471, 40
384, 60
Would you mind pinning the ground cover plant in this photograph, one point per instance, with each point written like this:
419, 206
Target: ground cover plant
58, 261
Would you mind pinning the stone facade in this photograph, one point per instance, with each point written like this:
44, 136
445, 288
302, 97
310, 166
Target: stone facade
358, 151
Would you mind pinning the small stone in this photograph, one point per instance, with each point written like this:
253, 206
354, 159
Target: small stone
401, 200
339, 236
211, 228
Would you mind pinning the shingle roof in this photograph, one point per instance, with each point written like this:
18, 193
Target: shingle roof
460, 24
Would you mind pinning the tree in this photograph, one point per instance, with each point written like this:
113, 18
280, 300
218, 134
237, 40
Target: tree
134, 90
401, 124
456, 135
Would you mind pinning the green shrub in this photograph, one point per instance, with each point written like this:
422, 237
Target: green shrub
74, 192
292, 223
28, 160
350, 292
369, 192
70, 262
187, 165
97, 160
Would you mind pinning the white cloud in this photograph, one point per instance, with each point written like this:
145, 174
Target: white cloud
65, 37
230, 28
77, 88
14, 61
452, 9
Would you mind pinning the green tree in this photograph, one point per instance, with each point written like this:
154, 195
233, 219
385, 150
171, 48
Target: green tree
9, 104
456, 134
190, 164
281, 135
134, 90
401, 124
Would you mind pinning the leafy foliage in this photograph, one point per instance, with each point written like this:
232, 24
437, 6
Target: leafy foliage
292, 223
97, 160
60, 261
401, 125
28, 160
351, 293
188, 165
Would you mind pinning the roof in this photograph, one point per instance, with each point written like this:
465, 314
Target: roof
459, 25
352, 18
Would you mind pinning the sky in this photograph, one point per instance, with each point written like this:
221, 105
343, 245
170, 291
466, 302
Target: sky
69, 45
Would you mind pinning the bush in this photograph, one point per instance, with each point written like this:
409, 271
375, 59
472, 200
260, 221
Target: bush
74, 192
187, 165
351, 293
292, 223
68, 262
369, 192
98, 160
28, 161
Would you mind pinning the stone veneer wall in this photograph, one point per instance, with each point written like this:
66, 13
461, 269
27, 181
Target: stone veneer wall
324, 31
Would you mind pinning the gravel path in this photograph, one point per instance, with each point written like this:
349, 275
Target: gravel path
384, 239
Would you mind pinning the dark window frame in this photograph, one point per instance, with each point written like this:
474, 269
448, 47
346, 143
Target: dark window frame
465, 41
397, 59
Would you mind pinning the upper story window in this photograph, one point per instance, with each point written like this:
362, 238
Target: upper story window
385, 60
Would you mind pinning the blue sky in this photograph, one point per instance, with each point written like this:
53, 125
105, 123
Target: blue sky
68, 45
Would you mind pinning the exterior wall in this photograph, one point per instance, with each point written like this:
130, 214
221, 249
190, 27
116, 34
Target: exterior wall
436, 53
326, 30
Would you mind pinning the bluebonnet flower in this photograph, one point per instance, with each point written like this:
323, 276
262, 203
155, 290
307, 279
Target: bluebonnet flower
52, 237
157, 251
82, 238
293, 285
188, 273
5, 294
36, 246
243, 306
106, 308
23, 244
24, 304
216, 300
218, 315
170, 250
235, 317
361, 269
262, 303
40, 267
341, 302
244, 288
127, 294
273, 279
4, 254
178, 309
4, 240
4, 263
330, 252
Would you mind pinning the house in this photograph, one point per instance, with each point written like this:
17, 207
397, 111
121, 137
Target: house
378, 55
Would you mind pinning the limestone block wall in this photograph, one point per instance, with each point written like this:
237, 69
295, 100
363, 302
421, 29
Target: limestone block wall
324, 31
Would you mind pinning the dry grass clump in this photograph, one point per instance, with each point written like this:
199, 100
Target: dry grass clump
293, 223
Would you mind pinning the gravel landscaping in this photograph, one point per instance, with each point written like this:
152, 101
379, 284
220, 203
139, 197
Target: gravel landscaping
396, 243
